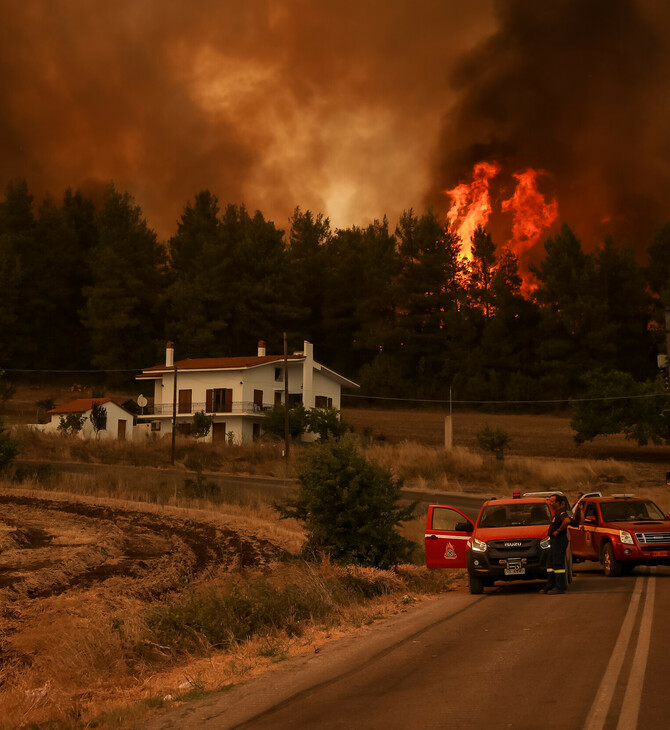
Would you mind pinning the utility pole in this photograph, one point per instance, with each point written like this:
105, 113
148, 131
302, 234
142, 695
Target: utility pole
448, 428
667, 341
174, 412
287, 435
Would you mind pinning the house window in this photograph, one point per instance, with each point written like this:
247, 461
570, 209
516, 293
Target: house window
294, 399
279, 375
219, 400
322, 401
155, 425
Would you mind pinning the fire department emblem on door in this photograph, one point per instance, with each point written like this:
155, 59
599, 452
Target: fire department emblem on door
450, 553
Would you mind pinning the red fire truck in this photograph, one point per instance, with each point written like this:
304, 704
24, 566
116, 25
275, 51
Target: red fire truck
620, 531
508, 541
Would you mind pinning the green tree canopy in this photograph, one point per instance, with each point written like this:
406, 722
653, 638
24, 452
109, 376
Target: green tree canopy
122, 312
615, 402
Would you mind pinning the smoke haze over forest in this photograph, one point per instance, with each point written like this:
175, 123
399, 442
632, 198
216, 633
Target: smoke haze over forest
353, 109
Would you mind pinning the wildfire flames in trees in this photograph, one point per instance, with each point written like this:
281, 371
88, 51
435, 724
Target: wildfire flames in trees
472, 205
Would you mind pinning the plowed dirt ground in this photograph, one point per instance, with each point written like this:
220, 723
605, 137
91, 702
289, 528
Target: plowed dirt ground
66, 564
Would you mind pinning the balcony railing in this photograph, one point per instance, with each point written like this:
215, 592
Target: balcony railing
188, 409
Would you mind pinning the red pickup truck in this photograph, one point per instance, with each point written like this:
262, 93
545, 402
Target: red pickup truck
508, 541
621, 532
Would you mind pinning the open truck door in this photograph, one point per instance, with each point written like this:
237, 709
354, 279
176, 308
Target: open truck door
447, 533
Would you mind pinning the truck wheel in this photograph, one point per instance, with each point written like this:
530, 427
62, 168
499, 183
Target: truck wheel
476, 585
611, 566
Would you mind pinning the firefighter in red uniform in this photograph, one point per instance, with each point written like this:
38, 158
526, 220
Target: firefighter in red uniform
558, 534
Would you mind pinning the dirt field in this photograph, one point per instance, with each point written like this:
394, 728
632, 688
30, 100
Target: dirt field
69, 565
531, 435
50, 546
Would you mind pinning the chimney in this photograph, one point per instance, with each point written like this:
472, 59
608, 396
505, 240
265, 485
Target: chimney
261, 349
169, 355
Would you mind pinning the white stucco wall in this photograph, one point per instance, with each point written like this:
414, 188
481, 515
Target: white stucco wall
114, 414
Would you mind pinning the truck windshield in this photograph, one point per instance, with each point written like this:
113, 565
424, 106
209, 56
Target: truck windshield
515, 515
630, 511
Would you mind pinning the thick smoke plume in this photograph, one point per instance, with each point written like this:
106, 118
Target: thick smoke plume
578, 88
332, 106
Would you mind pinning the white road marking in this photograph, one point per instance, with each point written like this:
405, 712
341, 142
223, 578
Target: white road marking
631, 701
603, 700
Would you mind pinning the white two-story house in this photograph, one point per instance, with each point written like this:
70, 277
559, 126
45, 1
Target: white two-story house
235, 391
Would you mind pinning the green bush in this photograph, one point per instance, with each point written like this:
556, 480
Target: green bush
495, 440
274, 420
215, 618
326, 423
8, 448
201, 424
200, 488
72, 423
349, 506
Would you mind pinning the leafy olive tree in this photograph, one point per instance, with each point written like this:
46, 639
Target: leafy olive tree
349, 506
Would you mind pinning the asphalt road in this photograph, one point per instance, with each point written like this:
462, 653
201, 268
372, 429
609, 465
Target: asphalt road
594, 658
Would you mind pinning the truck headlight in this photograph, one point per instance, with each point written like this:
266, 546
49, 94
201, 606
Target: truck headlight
478, 546
626, 538
545, 543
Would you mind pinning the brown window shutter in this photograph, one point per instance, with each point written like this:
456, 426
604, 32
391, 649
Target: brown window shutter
229, 400
209, 401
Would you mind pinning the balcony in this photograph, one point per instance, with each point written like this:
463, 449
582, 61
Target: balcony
183, 409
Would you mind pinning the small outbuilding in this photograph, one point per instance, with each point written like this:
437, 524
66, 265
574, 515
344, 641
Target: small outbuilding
116, 421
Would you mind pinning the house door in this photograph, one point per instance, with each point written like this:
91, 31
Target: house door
185, 397
258, 400
121, 435
219, 433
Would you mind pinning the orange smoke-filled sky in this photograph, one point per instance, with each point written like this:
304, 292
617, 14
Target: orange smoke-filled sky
335, 107
353, 109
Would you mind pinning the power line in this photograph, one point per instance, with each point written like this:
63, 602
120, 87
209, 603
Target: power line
507, 402
384, 398
54, 372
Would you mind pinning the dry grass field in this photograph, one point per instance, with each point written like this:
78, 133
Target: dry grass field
111, 610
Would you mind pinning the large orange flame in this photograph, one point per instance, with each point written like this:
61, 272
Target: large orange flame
531, 213
471, 204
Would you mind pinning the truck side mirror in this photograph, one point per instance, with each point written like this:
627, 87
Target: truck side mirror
591, 519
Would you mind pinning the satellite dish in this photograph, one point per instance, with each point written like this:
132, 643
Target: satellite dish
141, 401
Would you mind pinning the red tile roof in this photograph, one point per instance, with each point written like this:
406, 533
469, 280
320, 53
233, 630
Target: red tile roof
219, 363
81, 405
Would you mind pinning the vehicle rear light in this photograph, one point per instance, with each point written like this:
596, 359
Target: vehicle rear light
516, 494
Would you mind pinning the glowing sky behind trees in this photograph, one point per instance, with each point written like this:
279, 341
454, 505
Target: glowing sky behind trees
353, 109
